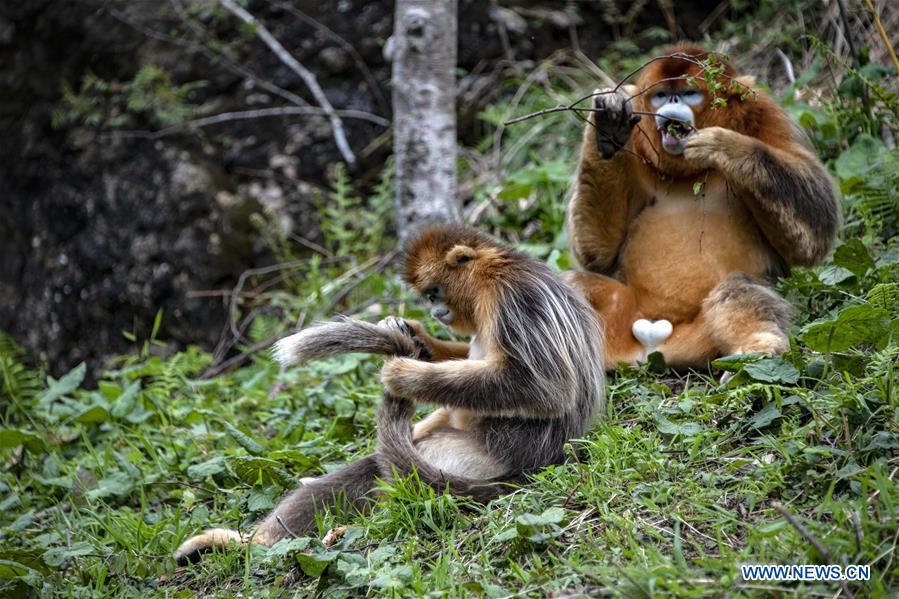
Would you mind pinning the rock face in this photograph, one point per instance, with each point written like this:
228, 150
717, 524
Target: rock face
100, 231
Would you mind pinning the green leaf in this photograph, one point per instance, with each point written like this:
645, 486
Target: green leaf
244, 440
258, 501
314, 564
735, 362
855, 324
64, 385
553, 515
884, 295
834, 275
92, 414
254, 470
124, 404
117, 484
57, 556
539, 528
207, 468
853, 256
773, 370
10, 570
856, 162
687, 429
766, 415
12, 437
287, 546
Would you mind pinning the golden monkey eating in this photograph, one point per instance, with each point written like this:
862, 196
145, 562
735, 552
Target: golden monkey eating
686, 205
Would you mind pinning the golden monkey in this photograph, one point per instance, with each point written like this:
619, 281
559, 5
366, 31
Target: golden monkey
683, 212
530, 380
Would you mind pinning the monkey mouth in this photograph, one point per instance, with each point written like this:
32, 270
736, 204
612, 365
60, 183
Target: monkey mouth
674, 135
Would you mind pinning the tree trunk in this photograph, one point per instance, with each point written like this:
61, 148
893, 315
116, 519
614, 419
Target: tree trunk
424, 113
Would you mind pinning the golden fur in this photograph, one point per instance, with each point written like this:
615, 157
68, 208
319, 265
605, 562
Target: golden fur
656, 249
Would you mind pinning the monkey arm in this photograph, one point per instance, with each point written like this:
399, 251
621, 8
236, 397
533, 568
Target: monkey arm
486, 386
789, 192
598, 212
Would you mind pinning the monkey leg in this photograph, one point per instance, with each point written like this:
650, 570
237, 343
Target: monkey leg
747, 316
741, 315
616, 306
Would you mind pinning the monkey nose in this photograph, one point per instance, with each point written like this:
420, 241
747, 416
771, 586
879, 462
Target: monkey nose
442, 313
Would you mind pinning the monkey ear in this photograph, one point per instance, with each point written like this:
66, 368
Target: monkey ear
460, 254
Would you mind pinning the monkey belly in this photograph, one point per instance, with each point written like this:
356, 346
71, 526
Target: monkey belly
673, 259
460, 454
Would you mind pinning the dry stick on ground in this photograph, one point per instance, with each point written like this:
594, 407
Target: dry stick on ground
883, 35
305, 74
810, 538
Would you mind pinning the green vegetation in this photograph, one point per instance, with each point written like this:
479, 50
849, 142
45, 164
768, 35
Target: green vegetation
682, 481
151, 97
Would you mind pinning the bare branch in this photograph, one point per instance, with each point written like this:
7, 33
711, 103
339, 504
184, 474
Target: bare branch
242, 115
213, 56
305, 74
347, 47
883, 35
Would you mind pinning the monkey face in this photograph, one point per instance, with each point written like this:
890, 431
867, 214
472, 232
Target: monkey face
676, 102
440, 310
449, 267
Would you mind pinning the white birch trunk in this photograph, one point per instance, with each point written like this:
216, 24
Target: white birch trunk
424, 113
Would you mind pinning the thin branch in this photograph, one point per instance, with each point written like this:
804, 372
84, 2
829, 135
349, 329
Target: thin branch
292, 534
573, 106
305, 74
347, 47
883, 35
212, 56
243, 115
788, 66
221, 367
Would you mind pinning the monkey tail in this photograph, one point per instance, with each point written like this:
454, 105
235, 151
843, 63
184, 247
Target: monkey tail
397, 452
294, 515
343, 337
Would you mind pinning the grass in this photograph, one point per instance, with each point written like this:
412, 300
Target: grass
681, 482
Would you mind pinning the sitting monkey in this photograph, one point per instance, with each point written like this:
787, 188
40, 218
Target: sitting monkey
530, 381
686, 204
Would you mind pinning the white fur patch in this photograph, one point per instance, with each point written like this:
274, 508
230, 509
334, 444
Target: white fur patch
651, 333
213, 537
284, 349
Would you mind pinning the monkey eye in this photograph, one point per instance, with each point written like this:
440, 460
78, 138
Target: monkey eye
659, 95
431, 294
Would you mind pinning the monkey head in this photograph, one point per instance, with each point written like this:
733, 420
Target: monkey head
450, 266
675, 100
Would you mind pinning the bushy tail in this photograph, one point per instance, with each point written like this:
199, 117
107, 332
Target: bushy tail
295, 514
345, 488
343, 337
397, 452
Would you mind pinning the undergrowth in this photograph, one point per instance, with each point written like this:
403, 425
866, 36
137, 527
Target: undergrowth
681, 482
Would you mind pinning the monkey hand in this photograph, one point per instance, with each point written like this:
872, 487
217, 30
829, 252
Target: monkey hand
710, 147
398, 376
411, 329
614, 120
